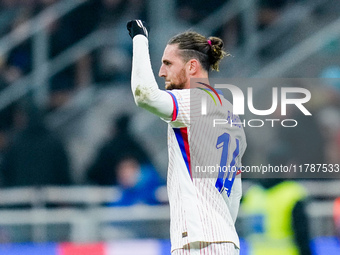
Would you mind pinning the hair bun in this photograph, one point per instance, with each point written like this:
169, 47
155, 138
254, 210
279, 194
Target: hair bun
217, 53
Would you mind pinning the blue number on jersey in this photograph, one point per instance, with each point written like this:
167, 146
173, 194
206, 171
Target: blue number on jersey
227, 183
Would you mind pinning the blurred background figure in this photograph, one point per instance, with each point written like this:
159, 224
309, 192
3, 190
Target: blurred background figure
295, 145
336, 215
122, 144
138, 183
6, 118
63, 34
35, 156
329, 115
276, 218
270, 11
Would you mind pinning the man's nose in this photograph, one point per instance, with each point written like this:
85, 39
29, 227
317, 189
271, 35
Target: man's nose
161, 71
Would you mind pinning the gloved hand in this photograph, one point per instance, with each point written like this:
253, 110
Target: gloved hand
137, 27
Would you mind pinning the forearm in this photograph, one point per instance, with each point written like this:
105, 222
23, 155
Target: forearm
143, 84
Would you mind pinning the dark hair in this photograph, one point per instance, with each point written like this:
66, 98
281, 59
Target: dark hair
208, 51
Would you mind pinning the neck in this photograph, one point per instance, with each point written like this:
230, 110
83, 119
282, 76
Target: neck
196, 80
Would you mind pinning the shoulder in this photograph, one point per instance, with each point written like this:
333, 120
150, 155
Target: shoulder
186, 94
179, 93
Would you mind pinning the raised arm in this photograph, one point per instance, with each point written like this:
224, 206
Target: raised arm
143, 83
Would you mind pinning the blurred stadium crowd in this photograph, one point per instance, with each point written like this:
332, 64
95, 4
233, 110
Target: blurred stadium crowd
106, 65
34, 154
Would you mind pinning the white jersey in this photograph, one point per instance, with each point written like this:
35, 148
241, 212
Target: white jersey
203, 207
199, 202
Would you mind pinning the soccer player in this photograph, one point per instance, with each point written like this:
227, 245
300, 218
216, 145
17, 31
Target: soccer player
203, 203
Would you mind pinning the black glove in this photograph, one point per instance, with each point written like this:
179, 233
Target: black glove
137, 27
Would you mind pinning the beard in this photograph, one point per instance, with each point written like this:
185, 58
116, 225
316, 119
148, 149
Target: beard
171, 86
180, 84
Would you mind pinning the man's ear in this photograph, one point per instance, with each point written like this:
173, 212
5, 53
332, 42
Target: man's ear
193, 66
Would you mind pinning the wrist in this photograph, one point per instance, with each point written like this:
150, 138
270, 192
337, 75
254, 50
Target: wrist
140, 38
